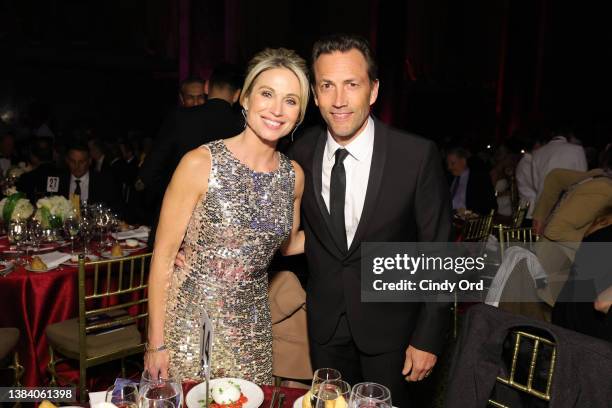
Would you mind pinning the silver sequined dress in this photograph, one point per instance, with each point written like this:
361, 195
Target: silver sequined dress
231, 238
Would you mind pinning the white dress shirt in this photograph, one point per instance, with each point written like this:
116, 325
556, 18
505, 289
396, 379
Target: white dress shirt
357, 168
556, 154
84, 186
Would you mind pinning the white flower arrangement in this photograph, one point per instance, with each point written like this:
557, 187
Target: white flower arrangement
57, 207
22, 208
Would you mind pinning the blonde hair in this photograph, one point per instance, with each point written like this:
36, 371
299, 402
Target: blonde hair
271, 58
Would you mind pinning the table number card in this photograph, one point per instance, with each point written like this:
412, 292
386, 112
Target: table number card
206, 343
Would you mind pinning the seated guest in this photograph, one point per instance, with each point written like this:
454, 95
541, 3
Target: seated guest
88, 185
584, 301
97, 151
44, 179
570, 202
470, 189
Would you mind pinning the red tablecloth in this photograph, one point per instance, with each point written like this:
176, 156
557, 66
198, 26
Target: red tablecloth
291, 394
30, 301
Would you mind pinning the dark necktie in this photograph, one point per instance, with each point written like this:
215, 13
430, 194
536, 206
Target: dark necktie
454, 186
337, 193
77, 189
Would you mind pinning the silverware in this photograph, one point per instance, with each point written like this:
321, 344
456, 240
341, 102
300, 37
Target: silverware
273, 400
281, 400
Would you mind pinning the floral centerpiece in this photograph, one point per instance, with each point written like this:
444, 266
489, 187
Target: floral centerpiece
52, 211
15, 206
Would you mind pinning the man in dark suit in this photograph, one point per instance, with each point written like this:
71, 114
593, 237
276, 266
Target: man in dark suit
191, 128
366, 182
89, 185
471, 188
44, 179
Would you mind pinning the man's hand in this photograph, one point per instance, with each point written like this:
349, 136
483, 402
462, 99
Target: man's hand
418, 364
179, 261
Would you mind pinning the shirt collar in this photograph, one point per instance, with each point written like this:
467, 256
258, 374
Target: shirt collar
359, 148
84, 178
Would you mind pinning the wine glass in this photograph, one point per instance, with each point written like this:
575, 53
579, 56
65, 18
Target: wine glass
123, 396
370, 395
153, 391
35, 233
16, 235
321, 375
332, 393
72, 226
87, 229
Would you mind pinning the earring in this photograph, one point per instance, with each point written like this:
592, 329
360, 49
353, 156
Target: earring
244, 115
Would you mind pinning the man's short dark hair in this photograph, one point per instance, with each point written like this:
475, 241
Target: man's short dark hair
78, 146
226, 76
345, 43
42, 149
191, 80
459, 152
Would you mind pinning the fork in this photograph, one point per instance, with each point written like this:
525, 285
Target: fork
281, 400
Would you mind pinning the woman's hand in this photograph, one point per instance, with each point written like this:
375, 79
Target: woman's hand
156, 363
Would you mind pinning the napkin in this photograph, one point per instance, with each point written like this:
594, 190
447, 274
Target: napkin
140, 232
54, 259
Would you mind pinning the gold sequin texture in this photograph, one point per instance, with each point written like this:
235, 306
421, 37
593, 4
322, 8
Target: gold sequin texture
230, 240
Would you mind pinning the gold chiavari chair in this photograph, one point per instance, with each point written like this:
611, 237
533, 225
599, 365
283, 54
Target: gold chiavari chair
537, 356
513, 236
519, 214
112, 316
477, 229
9, 337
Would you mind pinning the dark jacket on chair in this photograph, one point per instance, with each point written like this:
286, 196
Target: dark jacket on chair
581, 375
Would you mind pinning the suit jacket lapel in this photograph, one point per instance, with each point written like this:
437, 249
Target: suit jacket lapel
377, 167
317, 169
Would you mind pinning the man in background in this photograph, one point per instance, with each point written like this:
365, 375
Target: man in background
191, 92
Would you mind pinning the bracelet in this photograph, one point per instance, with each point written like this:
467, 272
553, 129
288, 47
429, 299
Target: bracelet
149, 349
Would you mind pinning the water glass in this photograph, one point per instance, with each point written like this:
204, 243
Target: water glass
370, 395
123, 396
333, 393
321, 375
154, 392
72, 226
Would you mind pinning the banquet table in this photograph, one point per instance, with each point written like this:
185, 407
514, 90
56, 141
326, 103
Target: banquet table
30, 301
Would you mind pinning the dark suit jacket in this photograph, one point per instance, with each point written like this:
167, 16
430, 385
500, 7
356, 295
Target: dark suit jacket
406, 200
581, 376
480, 195
101, 190
184, 130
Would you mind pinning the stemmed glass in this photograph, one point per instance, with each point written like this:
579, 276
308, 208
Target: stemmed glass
17, 234
321, 375
154, 393
87, 229
72, 226
370, 395
123, 396
333, 393
35, 232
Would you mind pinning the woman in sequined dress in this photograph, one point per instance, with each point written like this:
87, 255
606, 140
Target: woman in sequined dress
231, 204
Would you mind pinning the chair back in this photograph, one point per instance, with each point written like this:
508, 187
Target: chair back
529, 369
112, 296
519, 214
512, 236
477, 229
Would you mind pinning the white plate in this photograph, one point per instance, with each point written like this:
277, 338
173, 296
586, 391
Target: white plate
27, 268
88, 258
107, 255
298, 402
253, 393
127, 248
